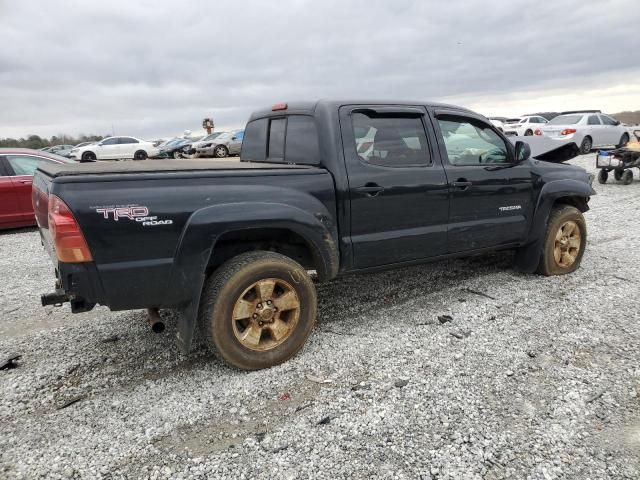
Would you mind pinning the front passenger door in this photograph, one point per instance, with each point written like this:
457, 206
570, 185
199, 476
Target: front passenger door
108, 149
491, 194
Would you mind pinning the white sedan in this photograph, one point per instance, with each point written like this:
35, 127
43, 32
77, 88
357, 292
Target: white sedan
523, 126
587, 130
116, 148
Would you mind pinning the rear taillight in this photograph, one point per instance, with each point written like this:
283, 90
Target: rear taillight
69, 242
538, 132
568, 131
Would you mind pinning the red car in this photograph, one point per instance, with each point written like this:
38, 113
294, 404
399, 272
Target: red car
16, 173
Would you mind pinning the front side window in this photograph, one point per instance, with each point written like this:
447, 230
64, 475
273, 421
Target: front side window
608, 120
390, 140
110, 141
25, 165
471, 142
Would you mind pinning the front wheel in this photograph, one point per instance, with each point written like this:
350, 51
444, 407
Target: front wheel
564, 241
623, 140
140, 155
617, 174
258, 309
627, 177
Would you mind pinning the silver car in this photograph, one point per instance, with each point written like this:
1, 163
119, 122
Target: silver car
228, 143
588, 130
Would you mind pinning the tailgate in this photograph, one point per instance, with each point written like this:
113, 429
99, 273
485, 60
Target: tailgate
40, 200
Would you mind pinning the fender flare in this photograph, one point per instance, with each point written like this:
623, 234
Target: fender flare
197, 245
528, 256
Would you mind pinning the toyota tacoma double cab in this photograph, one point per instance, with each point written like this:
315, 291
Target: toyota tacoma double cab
331, 187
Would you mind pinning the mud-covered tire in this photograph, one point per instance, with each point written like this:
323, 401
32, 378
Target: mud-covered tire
586, 145
225, 294
560, 218
603, 176
627, 177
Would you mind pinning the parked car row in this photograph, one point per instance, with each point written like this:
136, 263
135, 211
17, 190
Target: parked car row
587, 128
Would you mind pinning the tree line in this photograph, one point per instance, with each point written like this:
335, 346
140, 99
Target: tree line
36, 141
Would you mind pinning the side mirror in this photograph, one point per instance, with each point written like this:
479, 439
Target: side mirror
233, 138
617, 122
523, 151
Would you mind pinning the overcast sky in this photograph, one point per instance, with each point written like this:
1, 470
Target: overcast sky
156, 68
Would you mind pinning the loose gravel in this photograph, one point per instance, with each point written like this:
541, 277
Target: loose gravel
527, 377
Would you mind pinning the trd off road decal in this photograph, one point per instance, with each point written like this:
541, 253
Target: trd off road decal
137, 213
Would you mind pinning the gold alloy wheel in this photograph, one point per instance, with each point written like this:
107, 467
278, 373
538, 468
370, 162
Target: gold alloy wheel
266, 314
567, 244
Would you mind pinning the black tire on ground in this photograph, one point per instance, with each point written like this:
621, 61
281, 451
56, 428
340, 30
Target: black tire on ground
140, 155
564, 241
220, 151
88, 157
617, 174
603, 175
623, 140
585, 146
627, 177
528, 133
234, 313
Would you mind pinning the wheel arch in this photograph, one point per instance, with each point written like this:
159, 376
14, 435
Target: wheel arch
214, 234
552, 195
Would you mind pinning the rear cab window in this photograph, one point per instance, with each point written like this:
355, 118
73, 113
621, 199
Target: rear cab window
290, 139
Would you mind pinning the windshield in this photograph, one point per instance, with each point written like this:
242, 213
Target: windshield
565, 120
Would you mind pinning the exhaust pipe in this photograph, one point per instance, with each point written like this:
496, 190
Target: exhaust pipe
156, 322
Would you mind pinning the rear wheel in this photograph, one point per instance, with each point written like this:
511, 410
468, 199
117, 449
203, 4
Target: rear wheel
528, 133
603, 175
585, 146
624, 139
627, 177
564, 241
617, 174
220, 151
258, 309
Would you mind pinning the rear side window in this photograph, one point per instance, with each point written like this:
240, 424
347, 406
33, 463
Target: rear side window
126, 140
390, 140
293, 139
593, 120
110, 141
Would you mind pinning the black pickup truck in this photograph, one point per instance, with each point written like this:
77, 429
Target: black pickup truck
328, 186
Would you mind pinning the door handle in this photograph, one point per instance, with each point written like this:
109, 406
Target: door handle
25, 182
461, 184
370, 189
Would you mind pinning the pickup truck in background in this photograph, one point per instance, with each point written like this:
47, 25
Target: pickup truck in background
334, 187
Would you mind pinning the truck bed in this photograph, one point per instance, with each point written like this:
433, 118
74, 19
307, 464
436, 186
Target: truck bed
159, 166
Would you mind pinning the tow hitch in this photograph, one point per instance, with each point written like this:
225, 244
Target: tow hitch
56, 298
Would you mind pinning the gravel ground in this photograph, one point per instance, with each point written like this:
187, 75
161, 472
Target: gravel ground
534, 377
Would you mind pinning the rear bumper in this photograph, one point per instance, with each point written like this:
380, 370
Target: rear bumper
75, 283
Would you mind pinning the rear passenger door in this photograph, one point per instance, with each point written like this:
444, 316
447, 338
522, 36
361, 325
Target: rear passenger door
398, 190
127, 146
491, 195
